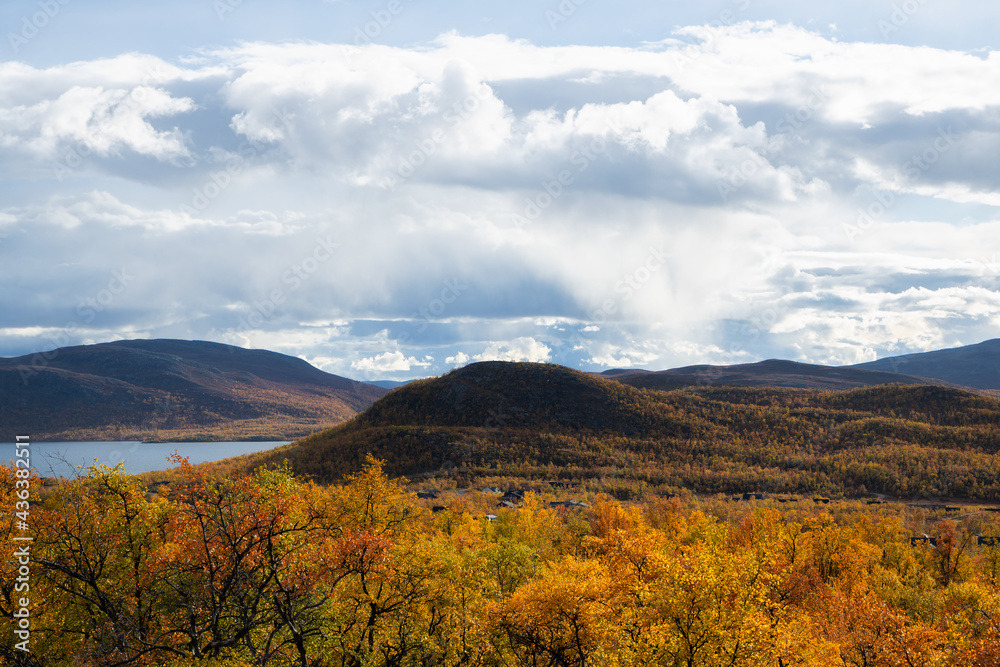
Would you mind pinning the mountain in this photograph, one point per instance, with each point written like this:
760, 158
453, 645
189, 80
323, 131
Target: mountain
970, 367
171, 390
388, 384
520, 423
455, 419
976, 366
770, 373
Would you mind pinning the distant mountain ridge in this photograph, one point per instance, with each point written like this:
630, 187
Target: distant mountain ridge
389, 384
971, 367
172, 389
976, 366
770, 373
197, 390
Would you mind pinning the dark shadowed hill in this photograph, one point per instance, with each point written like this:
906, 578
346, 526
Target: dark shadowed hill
976, 366
530, 422
771, 373
510, 394
171, 389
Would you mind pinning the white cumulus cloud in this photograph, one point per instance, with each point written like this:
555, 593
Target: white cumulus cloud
388, 362
519, 349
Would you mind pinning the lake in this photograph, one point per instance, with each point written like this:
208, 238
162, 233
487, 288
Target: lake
61, 458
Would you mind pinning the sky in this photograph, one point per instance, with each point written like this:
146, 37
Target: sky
390, 189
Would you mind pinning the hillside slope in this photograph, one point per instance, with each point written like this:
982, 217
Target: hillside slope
171, 389
517, 395
770, 373
976, 366
536, 421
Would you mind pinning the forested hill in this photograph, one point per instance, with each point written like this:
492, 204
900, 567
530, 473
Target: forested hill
976, 366
518, 395
968, 367
171, 389
537, 421
770, 373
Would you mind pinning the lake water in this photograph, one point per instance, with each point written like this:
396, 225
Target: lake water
61, 458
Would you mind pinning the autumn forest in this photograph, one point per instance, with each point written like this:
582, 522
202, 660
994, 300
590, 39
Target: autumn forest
266, 569
529, 515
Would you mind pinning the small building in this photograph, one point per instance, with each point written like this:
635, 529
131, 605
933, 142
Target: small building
568, 503
516, 497
923, 541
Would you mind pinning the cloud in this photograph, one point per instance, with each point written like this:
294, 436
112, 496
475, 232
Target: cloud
520, 349
93, 120
764, 61
388, 362
380, 208
756, 108
459, 359
750, 113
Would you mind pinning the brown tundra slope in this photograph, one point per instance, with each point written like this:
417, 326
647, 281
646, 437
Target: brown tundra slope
171, 390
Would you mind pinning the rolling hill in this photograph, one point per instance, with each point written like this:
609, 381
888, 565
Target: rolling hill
770, 373
976, 366
531, 422
969, 367
171, 390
